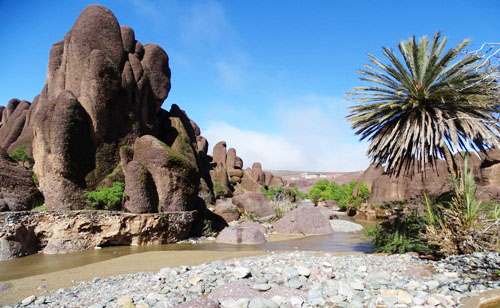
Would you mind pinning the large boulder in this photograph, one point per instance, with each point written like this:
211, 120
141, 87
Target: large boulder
17, 190
62, 149
304, 220
226, 210
175, 178
247, 236
219, 154
254, 203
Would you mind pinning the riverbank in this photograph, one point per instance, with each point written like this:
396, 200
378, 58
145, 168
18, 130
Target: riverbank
39, 285
294, 278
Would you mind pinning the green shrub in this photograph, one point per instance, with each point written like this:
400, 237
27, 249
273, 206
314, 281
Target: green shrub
40, 208
400, 234
220, 190
275, 192
21, 156
34, 179
108, 198
345, 195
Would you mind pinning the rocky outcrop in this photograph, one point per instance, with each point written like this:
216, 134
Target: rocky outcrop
247, 236
17, 189
228, 176
23, 233
303, 220
104, 91
432, 180
254, 203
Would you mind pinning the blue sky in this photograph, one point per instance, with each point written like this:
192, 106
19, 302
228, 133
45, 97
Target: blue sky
268, 77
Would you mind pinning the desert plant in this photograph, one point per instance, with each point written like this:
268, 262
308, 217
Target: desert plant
425, 107
108, 198
275, 192
402, 233
464, 200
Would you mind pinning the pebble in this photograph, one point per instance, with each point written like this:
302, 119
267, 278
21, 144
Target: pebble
28, 300
306, 280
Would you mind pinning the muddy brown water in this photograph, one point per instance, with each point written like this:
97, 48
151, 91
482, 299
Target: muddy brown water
42, 263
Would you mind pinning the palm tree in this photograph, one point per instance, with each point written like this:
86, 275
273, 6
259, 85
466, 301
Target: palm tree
426, 107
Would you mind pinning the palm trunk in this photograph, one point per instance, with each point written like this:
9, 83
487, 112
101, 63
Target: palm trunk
450, 162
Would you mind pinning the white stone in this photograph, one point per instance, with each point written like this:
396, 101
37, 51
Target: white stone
241, 272
28, 300
124, 300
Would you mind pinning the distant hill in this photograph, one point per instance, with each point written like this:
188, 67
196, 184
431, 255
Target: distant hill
304, 180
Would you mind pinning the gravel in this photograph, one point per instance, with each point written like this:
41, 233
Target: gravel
298, 279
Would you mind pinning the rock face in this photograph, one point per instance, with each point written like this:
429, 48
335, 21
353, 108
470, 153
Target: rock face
385, 188
248, 236
254, 203
17, 190
28, 232
103, 93
228, 176
303, 220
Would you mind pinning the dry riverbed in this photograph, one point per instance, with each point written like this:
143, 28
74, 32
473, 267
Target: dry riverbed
259, 279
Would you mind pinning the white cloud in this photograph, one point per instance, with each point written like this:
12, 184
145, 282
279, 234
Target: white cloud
204, 22
231, 73
314, 137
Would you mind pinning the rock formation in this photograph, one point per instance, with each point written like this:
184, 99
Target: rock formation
433, 181
304, 220
227, 173
17, 190
99, 118
26, 233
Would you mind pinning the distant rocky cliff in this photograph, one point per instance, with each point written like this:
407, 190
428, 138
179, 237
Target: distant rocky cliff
434, 181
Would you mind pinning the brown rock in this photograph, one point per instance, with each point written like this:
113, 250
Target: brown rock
258, 174
235, 172
140, 190
231, 159
268, 177
219, 153
249, 183
175, 178
220, 182
202, 144
246, 236
330, 204
277, 180
253, 203
329, 214
226, 210
57, 232
13, 119
95, 29
17, 190
303, 220
62, 150
128, 39
155, 64
238, 163
254, 225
